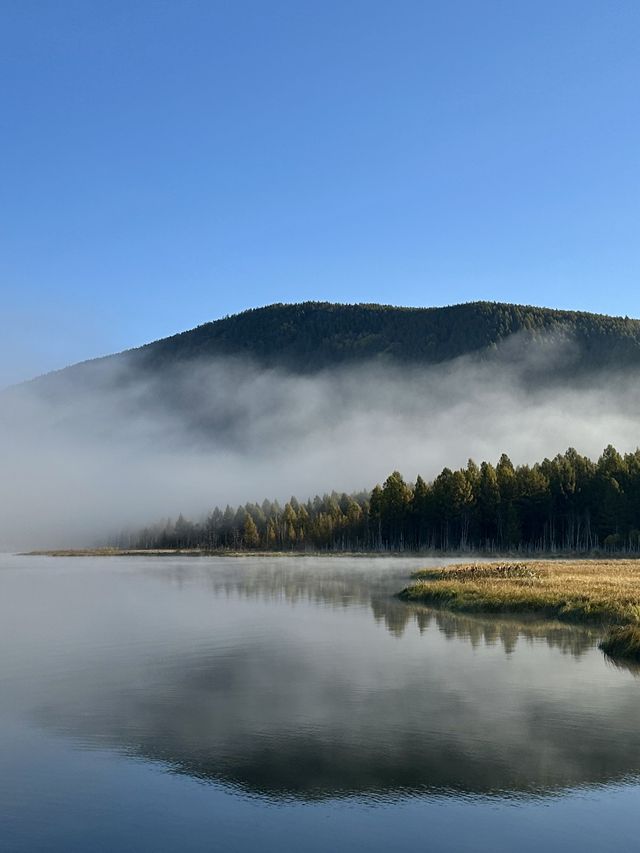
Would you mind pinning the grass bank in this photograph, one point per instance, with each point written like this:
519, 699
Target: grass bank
598, 592
622, 642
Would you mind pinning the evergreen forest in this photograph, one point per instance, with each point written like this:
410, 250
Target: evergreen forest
308, 337
311, 336
567, 504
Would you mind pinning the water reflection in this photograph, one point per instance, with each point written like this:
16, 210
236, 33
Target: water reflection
273, 677
290, 580
504, 631
630, 666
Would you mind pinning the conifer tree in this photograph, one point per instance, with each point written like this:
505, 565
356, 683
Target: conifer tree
250, 535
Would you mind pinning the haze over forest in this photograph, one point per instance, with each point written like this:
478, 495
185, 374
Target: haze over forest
303, 399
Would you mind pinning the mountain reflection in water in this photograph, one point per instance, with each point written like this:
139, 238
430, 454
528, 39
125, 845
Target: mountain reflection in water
306, 679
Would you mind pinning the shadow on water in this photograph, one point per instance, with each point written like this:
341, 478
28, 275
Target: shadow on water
313, 700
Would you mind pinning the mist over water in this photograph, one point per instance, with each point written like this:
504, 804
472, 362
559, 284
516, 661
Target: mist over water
107, 445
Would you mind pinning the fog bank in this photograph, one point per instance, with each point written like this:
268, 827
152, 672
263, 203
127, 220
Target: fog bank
110, 447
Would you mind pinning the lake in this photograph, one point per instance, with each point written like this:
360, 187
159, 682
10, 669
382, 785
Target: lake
205, 704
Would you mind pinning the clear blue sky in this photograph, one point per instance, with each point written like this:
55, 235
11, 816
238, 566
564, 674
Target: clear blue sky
167, 163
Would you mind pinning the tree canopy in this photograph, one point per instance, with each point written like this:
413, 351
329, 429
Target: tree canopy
315, 335
568, 503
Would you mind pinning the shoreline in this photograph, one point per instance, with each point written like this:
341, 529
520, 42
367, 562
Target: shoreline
551, 557
201, 552
601, 593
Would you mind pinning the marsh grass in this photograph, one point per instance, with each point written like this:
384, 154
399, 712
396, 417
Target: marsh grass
480, 571
600, 592
622, 642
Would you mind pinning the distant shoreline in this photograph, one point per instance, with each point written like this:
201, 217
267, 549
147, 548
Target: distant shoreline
201, 552
222, 552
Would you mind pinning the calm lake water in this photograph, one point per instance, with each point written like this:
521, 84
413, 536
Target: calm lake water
197, 704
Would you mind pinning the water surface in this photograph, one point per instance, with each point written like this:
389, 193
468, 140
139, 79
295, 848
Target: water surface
293, 703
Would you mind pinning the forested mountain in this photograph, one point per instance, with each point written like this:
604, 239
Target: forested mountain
568, 503
314, 335
310, 336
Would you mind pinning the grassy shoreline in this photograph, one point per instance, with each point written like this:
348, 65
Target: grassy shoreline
605, 593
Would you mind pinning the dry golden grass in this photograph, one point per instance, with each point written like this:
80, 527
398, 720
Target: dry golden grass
604, 592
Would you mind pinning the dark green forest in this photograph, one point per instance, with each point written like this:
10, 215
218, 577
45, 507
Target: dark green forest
315, 335
312, 336
566, 504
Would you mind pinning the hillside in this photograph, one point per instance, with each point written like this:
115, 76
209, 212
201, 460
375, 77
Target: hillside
314, 335
311, 336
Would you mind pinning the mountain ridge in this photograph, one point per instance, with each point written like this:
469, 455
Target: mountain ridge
310, 336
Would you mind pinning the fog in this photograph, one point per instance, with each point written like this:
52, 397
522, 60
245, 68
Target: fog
108, 445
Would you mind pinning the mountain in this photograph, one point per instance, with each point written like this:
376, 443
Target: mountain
311, 336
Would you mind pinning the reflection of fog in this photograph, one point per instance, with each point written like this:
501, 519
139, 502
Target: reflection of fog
274, 677
289, 580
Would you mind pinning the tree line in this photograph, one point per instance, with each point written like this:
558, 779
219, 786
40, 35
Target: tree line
566, 504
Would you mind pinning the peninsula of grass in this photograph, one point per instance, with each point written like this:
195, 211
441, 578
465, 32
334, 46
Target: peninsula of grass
605, 593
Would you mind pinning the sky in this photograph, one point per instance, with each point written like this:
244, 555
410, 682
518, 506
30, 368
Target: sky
163, 164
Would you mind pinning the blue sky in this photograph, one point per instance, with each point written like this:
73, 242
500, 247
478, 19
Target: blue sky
167, 163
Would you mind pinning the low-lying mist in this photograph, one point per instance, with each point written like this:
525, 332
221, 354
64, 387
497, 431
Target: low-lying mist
107, 446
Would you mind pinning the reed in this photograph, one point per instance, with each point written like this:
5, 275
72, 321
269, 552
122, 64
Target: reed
602, 592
